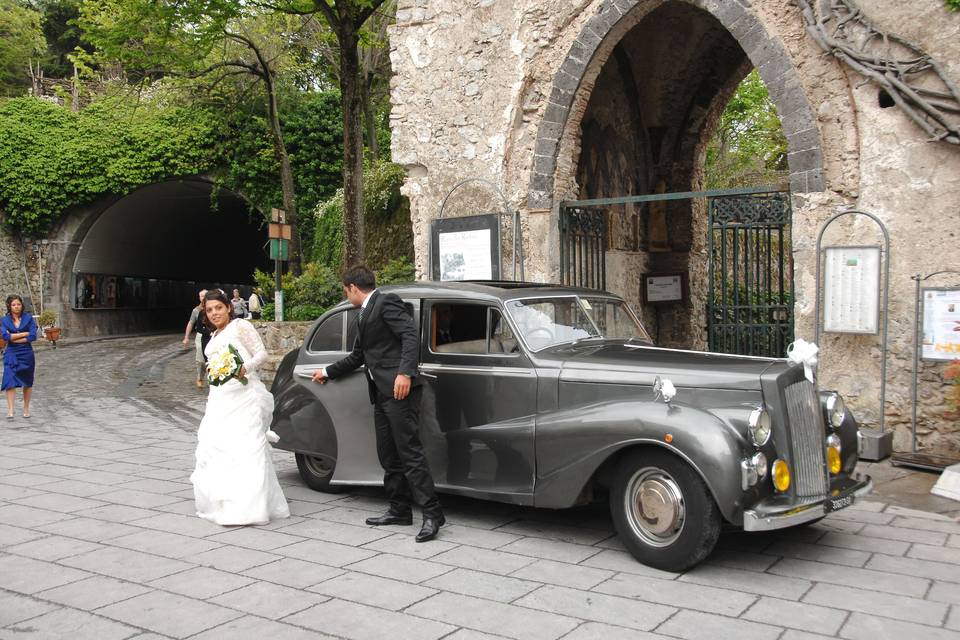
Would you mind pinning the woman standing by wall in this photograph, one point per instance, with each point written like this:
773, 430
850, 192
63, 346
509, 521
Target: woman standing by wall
19, 329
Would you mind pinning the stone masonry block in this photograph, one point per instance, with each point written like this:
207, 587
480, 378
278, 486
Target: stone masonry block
561, 97
541, 182
589, 39
579, 52
544, 165
731, 14
775, 67
539, 200
798, 181
573, 68
600, 23
816, 181
803, 140
752, 41
614, 11
550, 131
624, 5
555, 113
565, 81
805, 160
546, 147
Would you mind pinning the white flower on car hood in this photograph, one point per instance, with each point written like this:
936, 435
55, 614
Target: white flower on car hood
663, 389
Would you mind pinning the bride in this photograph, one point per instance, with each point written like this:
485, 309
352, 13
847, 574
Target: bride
234, 482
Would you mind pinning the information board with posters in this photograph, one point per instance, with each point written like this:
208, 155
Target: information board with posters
941, 324
466, 248
851, 290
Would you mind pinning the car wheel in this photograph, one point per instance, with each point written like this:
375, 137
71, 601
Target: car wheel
317, 472
663, 511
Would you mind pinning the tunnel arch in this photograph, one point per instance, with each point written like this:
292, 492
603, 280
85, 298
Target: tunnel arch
134, 263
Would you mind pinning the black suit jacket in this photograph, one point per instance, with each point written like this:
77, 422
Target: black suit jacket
386, 343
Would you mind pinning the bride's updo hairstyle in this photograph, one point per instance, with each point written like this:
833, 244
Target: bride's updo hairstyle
219, 296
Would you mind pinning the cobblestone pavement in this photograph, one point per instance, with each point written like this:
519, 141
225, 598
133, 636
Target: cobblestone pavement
98, 540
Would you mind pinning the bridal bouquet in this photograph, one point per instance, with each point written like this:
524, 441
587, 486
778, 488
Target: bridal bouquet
225, 365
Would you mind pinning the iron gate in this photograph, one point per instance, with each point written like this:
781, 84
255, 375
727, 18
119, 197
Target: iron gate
750, 298
583, 245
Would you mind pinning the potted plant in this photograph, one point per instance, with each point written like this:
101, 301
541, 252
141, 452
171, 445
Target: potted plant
47, 321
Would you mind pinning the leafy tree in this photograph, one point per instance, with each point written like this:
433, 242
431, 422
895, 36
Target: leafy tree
21, 39
62, 35
215, 39
749, 146
346, 19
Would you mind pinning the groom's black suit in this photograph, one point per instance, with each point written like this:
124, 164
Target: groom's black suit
387, 344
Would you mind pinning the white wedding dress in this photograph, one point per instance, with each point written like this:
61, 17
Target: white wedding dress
234, 482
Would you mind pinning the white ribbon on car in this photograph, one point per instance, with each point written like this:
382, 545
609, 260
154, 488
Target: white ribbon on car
272, 436
802, 352
663, 389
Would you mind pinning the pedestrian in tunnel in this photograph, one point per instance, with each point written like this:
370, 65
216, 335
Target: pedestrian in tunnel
197, 322
239, 305
19, 329
255, 304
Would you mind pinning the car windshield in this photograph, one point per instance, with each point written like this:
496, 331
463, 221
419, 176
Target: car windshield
545, 322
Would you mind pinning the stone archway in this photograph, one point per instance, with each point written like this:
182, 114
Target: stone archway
157, 245
595, 44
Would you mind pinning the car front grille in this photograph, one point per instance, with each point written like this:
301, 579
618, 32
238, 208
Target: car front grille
810, 478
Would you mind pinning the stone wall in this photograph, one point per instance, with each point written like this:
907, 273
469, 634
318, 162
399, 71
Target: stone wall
499, 90
279, 338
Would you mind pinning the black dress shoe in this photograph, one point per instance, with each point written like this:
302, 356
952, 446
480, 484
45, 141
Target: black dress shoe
430, 528
390, 518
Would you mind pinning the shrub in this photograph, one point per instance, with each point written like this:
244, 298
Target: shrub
397, 271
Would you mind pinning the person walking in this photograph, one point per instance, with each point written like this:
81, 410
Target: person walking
19, 329
197, 323
234, 481
239, 305
255, 304
388, 345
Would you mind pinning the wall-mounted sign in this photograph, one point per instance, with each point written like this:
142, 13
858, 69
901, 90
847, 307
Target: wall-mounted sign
851, 290
941, 324
466, 248
660, 288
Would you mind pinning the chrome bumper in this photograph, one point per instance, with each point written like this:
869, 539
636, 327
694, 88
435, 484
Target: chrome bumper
767, 520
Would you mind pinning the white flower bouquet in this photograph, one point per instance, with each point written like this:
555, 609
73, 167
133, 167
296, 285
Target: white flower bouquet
225, 365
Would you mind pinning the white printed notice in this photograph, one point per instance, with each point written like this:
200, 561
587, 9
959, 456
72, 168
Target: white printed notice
941, 324
851, 290
465, 255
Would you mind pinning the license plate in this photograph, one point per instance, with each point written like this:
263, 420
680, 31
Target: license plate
835, 504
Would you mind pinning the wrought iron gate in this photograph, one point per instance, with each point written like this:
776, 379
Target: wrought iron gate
583, 245
750, 299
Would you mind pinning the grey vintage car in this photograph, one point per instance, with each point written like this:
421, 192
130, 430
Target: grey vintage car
553, 396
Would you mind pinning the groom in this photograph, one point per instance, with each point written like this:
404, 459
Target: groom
387, 344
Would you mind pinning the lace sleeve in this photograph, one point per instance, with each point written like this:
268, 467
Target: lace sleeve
253, 344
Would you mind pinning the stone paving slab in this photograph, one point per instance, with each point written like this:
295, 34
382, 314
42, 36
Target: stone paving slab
98, 540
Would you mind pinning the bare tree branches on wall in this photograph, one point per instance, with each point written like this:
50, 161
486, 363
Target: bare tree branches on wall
912, 78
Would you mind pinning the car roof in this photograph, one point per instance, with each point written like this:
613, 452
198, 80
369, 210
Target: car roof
487, 290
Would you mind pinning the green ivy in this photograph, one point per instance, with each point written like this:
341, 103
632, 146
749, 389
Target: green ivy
952, 5
52, 159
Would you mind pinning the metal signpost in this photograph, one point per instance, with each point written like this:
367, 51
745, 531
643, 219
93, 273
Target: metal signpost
851, 295
280, 234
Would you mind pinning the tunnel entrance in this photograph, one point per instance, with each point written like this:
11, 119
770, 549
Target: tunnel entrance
141, 259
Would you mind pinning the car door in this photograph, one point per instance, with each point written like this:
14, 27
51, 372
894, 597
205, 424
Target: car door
479, 407
340, 418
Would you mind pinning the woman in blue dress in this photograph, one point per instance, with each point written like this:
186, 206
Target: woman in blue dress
19, 329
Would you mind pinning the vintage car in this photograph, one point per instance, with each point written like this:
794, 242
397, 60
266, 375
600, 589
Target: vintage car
551, 396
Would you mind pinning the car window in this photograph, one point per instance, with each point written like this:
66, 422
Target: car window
469, 329
551, 321
329, 335
614, 319
351, 327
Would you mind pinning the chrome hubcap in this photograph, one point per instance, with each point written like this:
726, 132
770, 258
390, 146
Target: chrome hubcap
654, 506
319, 467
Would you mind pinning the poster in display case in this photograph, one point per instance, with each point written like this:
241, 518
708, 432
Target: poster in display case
851, 290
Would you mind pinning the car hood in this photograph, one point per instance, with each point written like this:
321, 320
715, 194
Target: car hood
617, 362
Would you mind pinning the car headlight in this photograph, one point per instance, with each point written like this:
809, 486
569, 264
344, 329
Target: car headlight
781, 475
760, 426
834, 461
759, 462
836, 410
